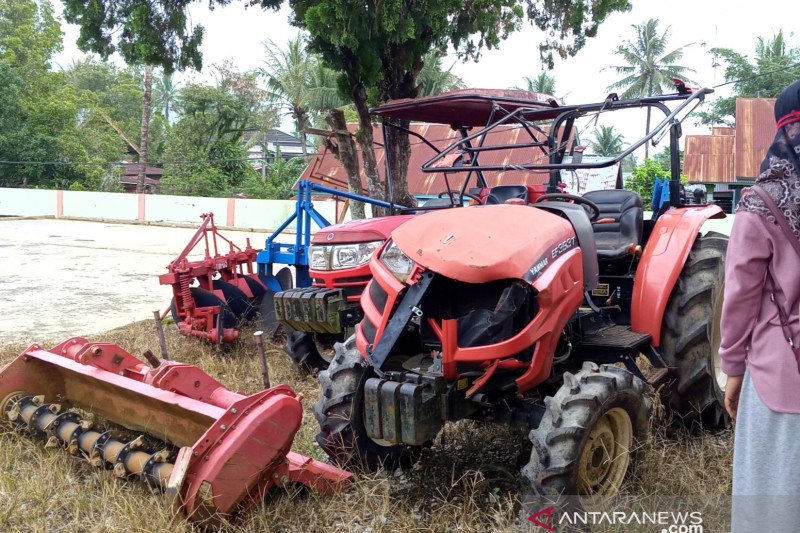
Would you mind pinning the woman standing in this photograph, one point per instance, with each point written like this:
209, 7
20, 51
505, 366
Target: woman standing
761, 336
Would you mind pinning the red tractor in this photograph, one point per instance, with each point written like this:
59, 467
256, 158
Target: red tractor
534, 312
316, 317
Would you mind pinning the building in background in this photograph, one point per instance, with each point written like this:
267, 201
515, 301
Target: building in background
728, 159
265, 146
130, 178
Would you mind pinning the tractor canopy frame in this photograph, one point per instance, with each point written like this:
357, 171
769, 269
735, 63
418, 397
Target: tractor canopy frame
559, 136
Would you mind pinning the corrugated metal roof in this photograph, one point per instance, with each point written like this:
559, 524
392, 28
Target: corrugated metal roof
709, 158
326, 168
755, 131
722, 130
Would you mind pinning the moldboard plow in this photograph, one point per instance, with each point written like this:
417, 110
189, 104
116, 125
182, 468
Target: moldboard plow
214, 452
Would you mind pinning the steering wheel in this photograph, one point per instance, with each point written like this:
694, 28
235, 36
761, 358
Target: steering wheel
457, 196
566, 197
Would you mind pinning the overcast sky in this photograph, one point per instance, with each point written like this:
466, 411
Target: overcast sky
236, 33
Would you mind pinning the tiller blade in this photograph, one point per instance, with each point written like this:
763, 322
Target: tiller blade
213, 451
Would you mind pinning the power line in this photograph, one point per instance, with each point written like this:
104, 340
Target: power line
122, 163
759, 75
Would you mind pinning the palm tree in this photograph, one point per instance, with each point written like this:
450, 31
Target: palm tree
649, 67
433, 78
165, 93
543, 83
607, 141
145, 128
289, 73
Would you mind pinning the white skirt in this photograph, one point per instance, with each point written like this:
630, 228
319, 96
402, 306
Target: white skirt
766, 466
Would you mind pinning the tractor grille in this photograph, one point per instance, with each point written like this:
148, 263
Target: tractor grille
369, 330
378, 295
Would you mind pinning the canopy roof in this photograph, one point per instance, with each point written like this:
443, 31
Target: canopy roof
464, 107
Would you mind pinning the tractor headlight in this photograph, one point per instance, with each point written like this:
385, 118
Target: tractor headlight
341, 256
318, 258
397, 262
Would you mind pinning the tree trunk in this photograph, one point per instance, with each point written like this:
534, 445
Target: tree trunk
647, 132
398, 151
145, 130
348, 155
647, 127
376, 188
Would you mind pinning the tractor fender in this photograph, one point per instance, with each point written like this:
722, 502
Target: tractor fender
664, 255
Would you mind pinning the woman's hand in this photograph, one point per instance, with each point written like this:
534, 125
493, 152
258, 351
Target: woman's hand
732, 389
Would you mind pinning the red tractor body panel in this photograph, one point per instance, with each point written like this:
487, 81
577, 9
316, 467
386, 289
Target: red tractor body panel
365, 230
662, 261
352, 280
484, 243
537, 246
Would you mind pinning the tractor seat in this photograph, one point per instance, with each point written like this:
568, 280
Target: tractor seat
624, 208
501, 193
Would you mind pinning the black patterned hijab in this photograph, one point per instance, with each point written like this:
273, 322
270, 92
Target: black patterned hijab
780, 171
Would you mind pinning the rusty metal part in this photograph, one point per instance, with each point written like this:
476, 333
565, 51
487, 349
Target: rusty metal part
162, 342
222, 450
262, 358
107, 449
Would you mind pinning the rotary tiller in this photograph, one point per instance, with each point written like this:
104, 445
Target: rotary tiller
213, 451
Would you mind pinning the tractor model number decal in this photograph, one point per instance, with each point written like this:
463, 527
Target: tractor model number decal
563, 246
602, 289
545, 260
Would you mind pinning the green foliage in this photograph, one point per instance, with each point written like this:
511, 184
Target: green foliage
281, 177
607, 141
152, 32
29, 36
648, 67
663, 158
433, 78
206, 142
771, 70
643, 178
541, 83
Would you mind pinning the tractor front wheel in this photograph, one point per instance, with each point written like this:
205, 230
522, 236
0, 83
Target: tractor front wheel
690, 336
305, 351
588, 436
339, 412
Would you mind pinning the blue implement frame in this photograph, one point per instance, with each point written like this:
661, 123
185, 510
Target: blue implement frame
296, 254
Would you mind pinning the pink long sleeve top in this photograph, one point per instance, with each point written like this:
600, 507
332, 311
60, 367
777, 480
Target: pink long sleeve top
751, 328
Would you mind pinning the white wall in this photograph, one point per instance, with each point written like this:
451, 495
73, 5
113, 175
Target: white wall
163, 208
27, 202
246, 213
107, 205
272, 213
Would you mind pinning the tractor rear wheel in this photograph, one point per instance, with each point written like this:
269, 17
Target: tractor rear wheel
305, 351
690, 337
589, 434
339, 412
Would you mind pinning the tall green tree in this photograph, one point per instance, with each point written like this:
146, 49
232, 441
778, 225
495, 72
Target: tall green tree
165, 93
289, 73
765, 75
649, 68
607, 141
543, 82
378, 47
433, 78
206, 143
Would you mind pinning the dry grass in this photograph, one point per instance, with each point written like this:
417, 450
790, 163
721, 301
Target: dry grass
468, 481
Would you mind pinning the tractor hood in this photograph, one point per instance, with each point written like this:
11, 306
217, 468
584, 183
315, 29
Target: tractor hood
485, 243
366, 230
